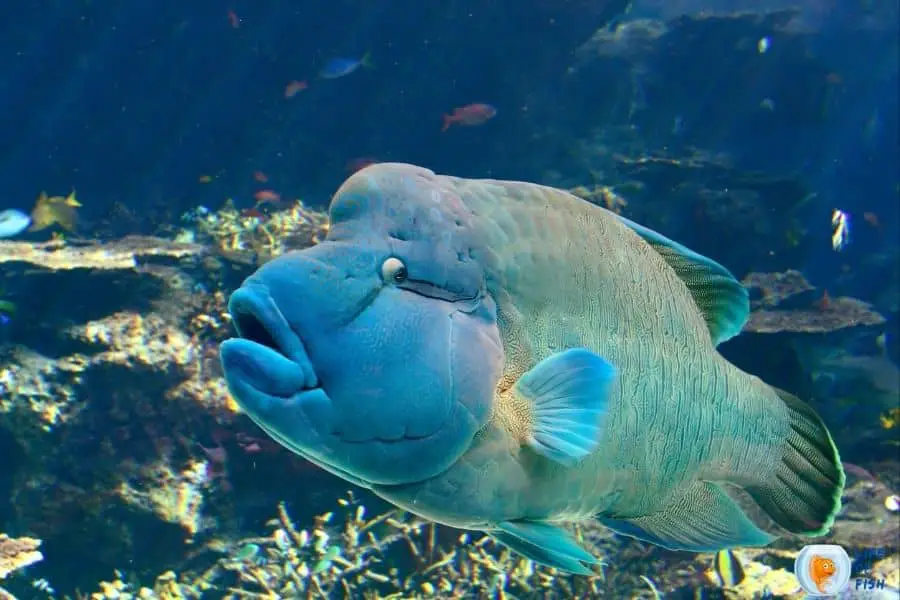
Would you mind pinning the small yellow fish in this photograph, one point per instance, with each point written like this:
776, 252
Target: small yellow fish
69, 200
890, 419
59, 210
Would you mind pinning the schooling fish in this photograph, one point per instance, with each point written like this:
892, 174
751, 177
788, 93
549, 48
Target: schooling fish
506, 357
338, 67
13, 222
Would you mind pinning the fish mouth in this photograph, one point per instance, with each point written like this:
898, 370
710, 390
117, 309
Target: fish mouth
272, 343
272, 379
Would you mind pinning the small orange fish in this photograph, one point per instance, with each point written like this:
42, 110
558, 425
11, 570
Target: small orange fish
260, 176
872, 219
267, 197
233, 19
471, 114
821, 570
205, 178
294, 88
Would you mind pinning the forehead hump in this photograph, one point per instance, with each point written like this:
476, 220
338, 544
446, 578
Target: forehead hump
400, 201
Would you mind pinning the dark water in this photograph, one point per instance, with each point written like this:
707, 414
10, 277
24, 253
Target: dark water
770, 116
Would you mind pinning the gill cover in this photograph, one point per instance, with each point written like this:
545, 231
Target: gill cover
376, 353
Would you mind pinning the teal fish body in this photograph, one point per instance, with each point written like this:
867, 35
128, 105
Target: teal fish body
506, 357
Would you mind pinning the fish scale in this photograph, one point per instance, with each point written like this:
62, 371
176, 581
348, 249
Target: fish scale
679, 325
503, 225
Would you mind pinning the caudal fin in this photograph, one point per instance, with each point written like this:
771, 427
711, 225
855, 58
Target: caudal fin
804, 496
447, 121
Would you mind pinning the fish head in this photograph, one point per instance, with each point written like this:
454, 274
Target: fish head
375, 354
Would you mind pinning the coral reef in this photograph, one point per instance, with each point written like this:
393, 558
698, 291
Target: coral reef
254, 237
111, 398
125, 253
99, 425
120, 423
820, 315
15, 554
103, 394
840, 313
775, 288
866, 520
348, 554
829, 350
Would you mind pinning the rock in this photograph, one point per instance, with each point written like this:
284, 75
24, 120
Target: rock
17, 553
839, 313
771, 289
123, 254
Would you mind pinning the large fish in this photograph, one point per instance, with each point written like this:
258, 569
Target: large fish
506, 357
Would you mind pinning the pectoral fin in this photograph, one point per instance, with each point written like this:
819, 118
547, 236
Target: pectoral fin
569, 396
546, 544
704, 519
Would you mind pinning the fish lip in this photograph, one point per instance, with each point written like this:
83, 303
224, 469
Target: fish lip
258, 320
250, 365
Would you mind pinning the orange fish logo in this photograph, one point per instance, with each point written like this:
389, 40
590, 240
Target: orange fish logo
821, 570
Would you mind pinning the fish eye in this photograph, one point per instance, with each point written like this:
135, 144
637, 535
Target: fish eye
393, 270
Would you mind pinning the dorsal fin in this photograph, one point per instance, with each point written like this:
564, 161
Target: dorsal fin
723, 301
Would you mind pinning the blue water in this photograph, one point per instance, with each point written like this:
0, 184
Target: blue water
130, 101
134, 103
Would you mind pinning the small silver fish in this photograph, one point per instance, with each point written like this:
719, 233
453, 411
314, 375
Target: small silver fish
13, 222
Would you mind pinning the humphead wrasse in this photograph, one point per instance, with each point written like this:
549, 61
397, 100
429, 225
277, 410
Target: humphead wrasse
506, 357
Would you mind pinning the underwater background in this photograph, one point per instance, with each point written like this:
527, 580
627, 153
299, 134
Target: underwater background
153, 154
